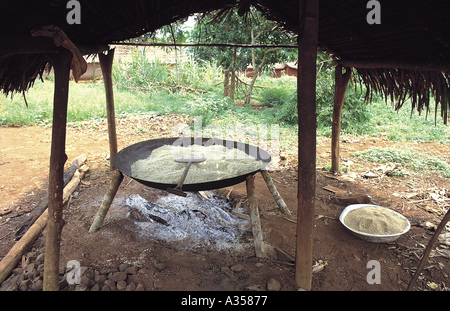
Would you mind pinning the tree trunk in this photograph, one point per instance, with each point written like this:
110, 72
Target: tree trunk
226, 83
256, 71
61, 64
340, 87
233, 75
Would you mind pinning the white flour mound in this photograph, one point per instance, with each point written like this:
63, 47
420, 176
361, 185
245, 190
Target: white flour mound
220, 163
191, 221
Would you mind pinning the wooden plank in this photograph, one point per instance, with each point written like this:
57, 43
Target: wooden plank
333, 189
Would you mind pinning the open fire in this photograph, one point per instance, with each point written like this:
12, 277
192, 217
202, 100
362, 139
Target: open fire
191, 221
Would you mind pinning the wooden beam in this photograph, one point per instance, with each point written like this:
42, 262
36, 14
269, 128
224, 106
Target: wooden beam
340, 87
306, 90
418, 65
106, 62
61, 64
236, 45
17, 44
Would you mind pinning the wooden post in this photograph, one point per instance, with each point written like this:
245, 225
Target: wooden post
276, 195
61, 64
340, 87
306, 90
254, 218
106, 62
427, 251
107, 201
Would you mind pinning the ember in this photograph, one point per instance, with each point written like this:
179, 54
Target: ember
192, 221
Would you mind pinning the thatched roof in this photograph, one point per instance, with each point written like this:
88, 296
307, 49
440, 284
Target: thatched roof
408, 54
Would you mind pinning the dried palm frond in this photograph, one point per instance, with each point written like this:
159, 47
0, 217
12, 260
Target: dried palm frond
398, 85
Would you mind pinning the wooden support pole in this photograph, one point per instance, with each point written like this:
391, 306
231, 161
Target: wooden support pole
427, 251
107, 201
106, 62
276, 195
306, 90
340, 87
61, 64
254, 218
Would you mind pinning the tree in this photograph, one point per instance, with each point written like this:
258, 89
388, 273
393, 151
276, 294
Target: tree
252, 28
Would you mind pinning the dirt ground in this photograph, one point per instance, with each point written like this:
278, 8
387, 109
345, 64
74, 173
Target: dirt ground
24, 162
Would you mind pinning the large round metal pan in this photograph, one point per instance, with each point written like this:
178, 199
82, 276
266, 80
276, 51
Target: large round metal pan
127, 156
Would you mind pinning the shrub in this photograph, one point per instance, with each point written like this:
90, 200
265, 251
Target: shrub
274, 97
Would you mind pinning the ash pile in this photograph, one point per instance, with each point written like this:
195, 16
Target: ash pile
191, 222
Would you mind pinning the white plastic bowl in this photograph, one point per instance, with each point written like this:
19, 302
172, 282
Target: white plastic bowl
372, 237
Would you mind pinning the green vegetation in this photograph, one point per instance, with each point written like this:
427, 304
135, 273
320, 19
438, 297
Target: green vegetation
143, 86
146, 87
418, 162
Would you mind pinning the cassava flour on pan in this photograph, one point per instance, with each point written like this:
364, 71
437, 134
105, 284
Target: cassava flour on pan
220, 163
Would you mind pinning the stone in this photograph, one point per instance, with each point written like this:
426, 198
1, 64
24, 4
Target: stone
131, 270
117, 276
131, 287
63, 283
89, 273
37, 286
24, 285
123, 267
40, 258
95, 288
273, 285
160, 266
237, 268
143, 271
111, 284
87, 281
121, 285
100, 278
81, 288
140, 288
106, 288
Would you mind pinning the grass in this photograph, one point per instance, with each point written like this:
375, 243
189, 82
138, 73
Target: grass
145, 87
86, 102
417, 161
